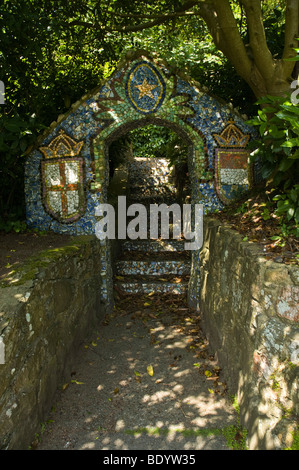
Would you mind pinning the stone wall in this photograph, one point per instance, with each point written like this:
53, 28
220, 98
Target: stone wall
45, 311
250, 314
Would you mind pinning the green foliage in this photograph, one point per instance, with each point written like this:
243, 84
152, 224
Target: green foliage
150, 141
295, 444
52, 52
235, 437
157, 141
288, 203
153, 142
16, 135
12, 225
278, 151
45, 69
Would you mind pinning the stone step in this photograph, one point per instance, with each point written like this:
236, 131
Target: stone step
152, 190
135, 255
135, 285
152, 265
153, 246
152, 268
148, 199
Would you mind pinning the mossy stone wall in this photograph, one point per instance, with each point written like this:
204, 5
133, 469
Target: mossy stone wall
250, 311
46, 310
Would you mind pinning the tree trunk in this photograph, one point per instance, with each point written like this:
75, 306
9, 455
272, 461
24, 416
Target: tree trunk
254, 61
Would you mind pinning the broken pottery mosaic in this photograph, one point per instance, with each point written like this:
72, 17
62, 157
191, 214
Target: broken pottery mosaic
67, 174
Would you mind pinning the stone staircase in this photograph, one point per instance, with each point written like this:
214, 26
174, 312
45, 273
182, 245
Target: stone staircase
152, 265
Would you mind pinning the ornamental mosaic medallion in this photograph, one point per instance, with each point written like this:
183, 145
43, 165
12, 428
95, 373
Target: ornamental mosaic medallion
62, 179
145, 87
232, 170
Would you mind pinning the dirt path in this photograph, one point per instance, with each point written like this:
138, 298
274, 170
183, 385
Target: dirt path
145, 380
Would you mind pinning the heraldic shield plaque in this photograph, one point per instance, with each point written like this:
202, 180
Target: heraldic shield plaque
62, 171
233, 173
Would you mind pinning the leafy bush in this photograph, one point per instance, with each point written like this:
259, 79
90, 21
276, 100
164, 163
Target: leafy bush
16, 136
278, 151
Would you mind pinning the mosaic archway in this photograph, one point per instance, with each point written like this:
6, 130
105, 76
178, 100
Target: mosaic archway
67, 175
195, 148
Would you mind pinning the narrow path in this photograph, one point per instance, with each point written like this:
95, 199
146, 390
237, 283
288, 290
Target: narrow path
144, 380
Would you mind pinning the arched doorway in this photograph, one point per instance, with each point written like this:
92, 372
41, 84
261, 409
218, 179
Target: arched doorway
195, 145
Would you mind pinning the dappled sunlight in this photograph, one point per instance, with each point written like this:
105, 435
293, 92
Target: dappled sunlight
147, 382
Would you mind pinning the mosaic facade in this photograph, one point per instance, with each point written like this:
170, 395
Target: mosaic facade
67, 175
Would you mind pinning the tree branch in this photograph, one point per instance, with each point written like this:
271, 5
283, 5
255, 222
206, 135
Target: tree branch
156, 20
228, 37
179, 12
291, 36
257, 38
155, 17
209, 15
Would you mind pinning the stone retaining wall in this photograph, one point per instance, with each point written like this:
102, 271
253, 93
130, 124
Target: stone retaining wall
45, 311
250, 314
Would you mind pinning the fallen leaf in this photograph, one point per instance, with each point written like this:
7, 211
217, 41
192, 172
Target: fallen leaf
77, 382
150, 370
208, 373
137, 373
116, 390
65, 386
153, 339
94, 344
238, 436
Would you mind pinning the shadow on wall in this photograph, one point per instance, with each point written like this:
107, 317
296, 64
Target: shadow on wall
256, 341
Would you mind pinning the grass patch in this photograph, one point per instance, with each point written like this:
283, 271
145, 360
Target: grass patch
234, 436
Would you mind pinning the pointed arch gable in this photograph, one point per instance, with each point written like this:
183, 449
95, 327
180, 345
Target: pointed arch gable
67, 174
142, 90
